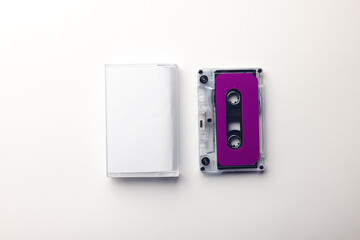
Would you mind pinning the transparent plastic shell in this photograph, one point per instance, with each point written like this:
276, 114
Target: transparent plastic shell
207, 122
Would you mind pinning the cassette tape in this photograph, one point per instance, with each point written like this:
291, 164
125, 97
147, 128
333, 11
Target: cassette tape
230, 105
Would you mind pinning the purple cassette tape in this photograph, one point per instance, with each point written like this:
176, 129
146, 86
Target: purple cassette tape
231, 120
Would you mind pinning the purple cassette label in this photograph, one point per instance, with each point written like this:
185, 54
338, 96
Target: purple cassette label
237, 116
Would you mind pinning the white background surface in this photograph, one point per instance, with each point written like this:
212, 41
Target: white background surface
52, 125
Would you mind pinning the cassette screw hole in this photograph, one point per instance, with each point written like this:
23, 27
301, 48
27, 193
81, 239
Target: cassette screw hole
205, 161
259, 70
233, 97
234, 141
261, 167
202, 169
200, 71
203, 79
209, 120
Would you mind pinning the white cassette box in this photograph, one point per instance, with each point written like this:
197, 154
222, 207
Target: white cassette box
142, 120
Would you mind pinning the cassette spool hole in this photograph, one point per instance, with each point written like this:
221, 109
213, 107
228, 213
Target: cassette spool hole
234, 141
233, 97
